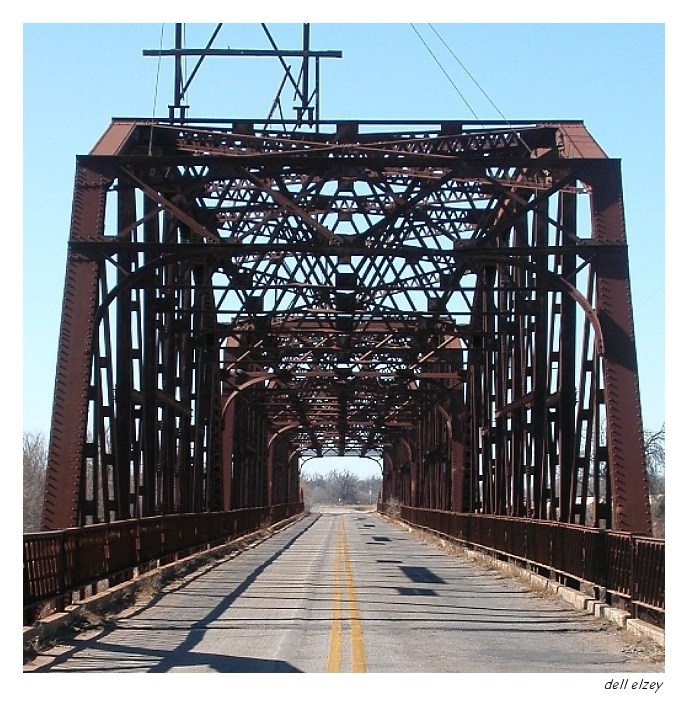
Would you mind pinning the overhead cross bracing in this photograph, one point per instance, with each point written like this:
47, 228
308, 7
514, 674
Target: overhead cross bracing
452, 297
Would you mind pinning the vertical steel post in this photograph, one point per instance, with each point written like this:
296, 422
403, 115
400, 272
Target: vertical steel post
62, 506
628, 474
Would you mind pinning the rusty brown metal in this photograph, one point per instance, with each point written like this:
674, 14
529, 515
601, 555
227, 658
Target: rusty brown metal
63, 488
622, 567
422, 295
59, 564
627, 468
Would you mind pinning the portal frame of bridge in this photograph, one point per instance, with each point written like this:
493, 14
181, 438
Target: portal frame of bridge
237, 295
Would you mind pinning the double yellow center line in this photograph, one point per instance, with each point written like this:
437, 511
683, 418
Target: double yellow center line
342, 566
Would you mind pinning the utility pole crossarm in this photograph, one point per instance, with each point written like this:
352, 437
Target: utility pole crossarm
305, 111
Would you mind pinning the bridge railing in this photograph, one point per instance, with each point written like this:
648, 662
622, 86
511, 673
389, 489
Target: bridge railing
618, 565
60, 563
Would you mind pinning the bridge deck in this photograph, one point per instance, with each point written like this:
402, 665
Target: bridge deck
348, 591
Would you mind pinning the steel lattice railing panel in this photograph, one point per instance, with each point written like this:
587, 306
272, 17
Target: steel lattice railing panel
618, 564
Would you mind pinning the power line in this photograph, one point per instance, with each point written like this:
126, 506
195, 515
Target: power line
157, 71
465, 69
155, 92
475, 81
446, 74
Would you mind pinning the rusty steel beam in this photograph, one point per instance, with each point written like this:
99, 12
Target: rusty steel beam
423, 296
63, 505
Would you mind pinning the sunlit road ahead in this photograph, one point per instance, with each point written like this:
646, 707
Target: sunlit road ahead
349, 592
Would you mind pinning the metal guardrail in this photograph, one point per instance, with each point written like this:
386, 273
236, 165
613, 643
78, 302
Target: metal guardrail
619, 564
59, 563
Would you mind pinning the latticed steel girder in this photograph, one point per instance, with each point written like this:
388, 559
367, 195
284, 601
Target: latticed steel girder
451, 298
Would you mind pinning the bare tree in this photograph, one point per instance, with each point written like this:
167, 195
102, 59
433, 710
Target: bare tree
315, 490
655, 459
35, 463
655, 454
342, 487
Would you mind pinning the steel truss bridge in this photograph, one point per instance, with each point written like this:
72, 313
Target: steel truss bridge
452, 298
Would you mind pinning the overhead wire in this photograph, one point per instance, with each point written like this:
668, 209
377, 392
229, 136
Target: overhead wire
446, 74
472, 78
155, 91
184, 74
465, 69
157, 71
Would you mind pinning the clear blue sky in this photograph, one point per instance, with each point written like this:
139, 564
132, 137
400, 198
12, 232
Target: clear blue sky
78, 76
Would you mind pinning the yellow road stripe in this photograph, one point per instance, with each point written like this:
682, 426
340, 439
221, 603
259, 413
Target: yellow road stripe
334, 659
358, 662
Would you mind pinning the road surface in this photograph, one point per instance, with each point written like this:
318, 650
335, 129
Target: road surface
346, 591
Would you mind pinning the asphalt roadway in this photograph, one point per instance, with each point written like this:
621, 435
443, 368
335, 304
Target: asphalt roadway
346, 591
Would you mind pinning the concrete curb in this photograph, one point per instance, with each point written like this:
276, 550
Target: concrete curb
644, 630
580, 600
50, 627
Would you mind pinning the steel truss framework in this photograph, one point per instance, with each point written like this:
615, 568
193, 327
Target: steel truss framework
451, 297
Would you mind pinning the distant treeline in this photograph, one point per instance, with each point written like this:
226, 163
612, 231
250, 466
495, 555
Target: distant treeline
340, 486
